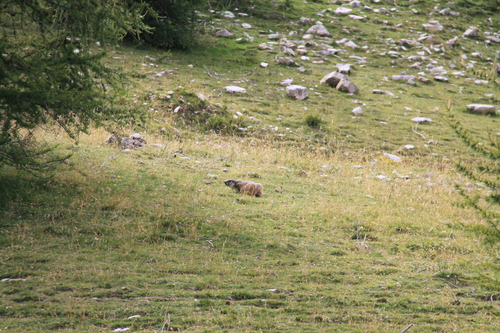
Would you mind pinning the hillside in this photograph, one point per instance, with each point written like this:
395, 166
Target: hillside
361, 227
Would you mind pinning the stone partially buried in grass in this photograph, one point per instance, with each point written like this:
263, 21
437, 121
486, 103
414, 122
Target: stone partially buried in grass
482, 109
235, 89
421, 120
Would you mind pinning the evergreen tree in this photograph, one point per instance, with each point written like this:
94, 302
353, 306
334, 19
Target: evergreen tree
484, 170
48, 74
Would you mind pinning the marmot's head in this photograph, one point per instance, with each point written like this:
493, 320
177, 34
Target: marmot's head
230, 183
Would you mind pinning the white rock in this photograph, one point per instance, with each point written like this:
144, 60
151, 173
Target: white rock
246, 26
223, 33
235, 89
357, 111
393, 157
482, 108
264, 64
228, 14
471, 32
274, 36
343, 68
433, 26
323, 32
297, 91
403, 77
408, 147
286, 82
383, 92
134, 316
421, 120
136, 136
343, 10
441, 78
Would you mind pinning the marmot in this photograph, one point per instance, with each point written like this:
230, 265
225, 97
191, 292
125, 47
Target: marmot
246, 187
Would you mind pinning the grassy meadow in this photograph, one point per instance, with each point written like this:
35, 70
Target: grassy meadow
345, 239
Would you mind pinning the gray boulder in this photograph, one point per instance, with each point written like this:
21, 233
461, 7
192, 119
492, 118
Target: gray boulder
347, 86
223, 33
297, 92
286, 61
333, 79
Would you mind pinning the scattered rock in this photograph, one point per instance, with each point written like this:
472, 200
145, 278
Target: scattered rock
235, 89
403, 77
318, 29
305, 20
133, 141
347, 86
357, 111
383, 92
264, 46
421, 120
452, 42
274, 36
298, 92
333, 79
471, 32
343, 11
286, 82
441, 78
246, 26
393, 157
482, 109
286, 61
223, 33
344, 68
433, 26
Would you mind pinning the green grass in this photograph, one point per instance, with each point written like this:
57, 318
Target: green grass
344, 239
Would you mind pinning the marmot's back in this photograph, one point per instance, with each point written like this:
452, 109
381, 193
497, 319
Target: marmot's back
246, 187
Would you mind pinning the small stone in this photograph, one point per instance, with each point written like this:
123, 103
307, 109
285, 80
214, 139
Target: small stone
393, 157
235, 89
471, 32
383, 92
421, 120
286, 61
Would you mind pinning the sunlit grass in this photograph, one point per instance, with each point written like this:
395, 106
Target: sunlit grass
344, 238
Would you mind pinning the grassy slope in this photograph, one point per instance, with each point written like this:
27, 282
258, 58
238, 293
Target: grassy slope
331, 246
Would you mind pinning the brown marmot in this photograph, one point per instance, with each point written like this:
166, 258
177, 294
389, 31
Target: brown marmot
246, 187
